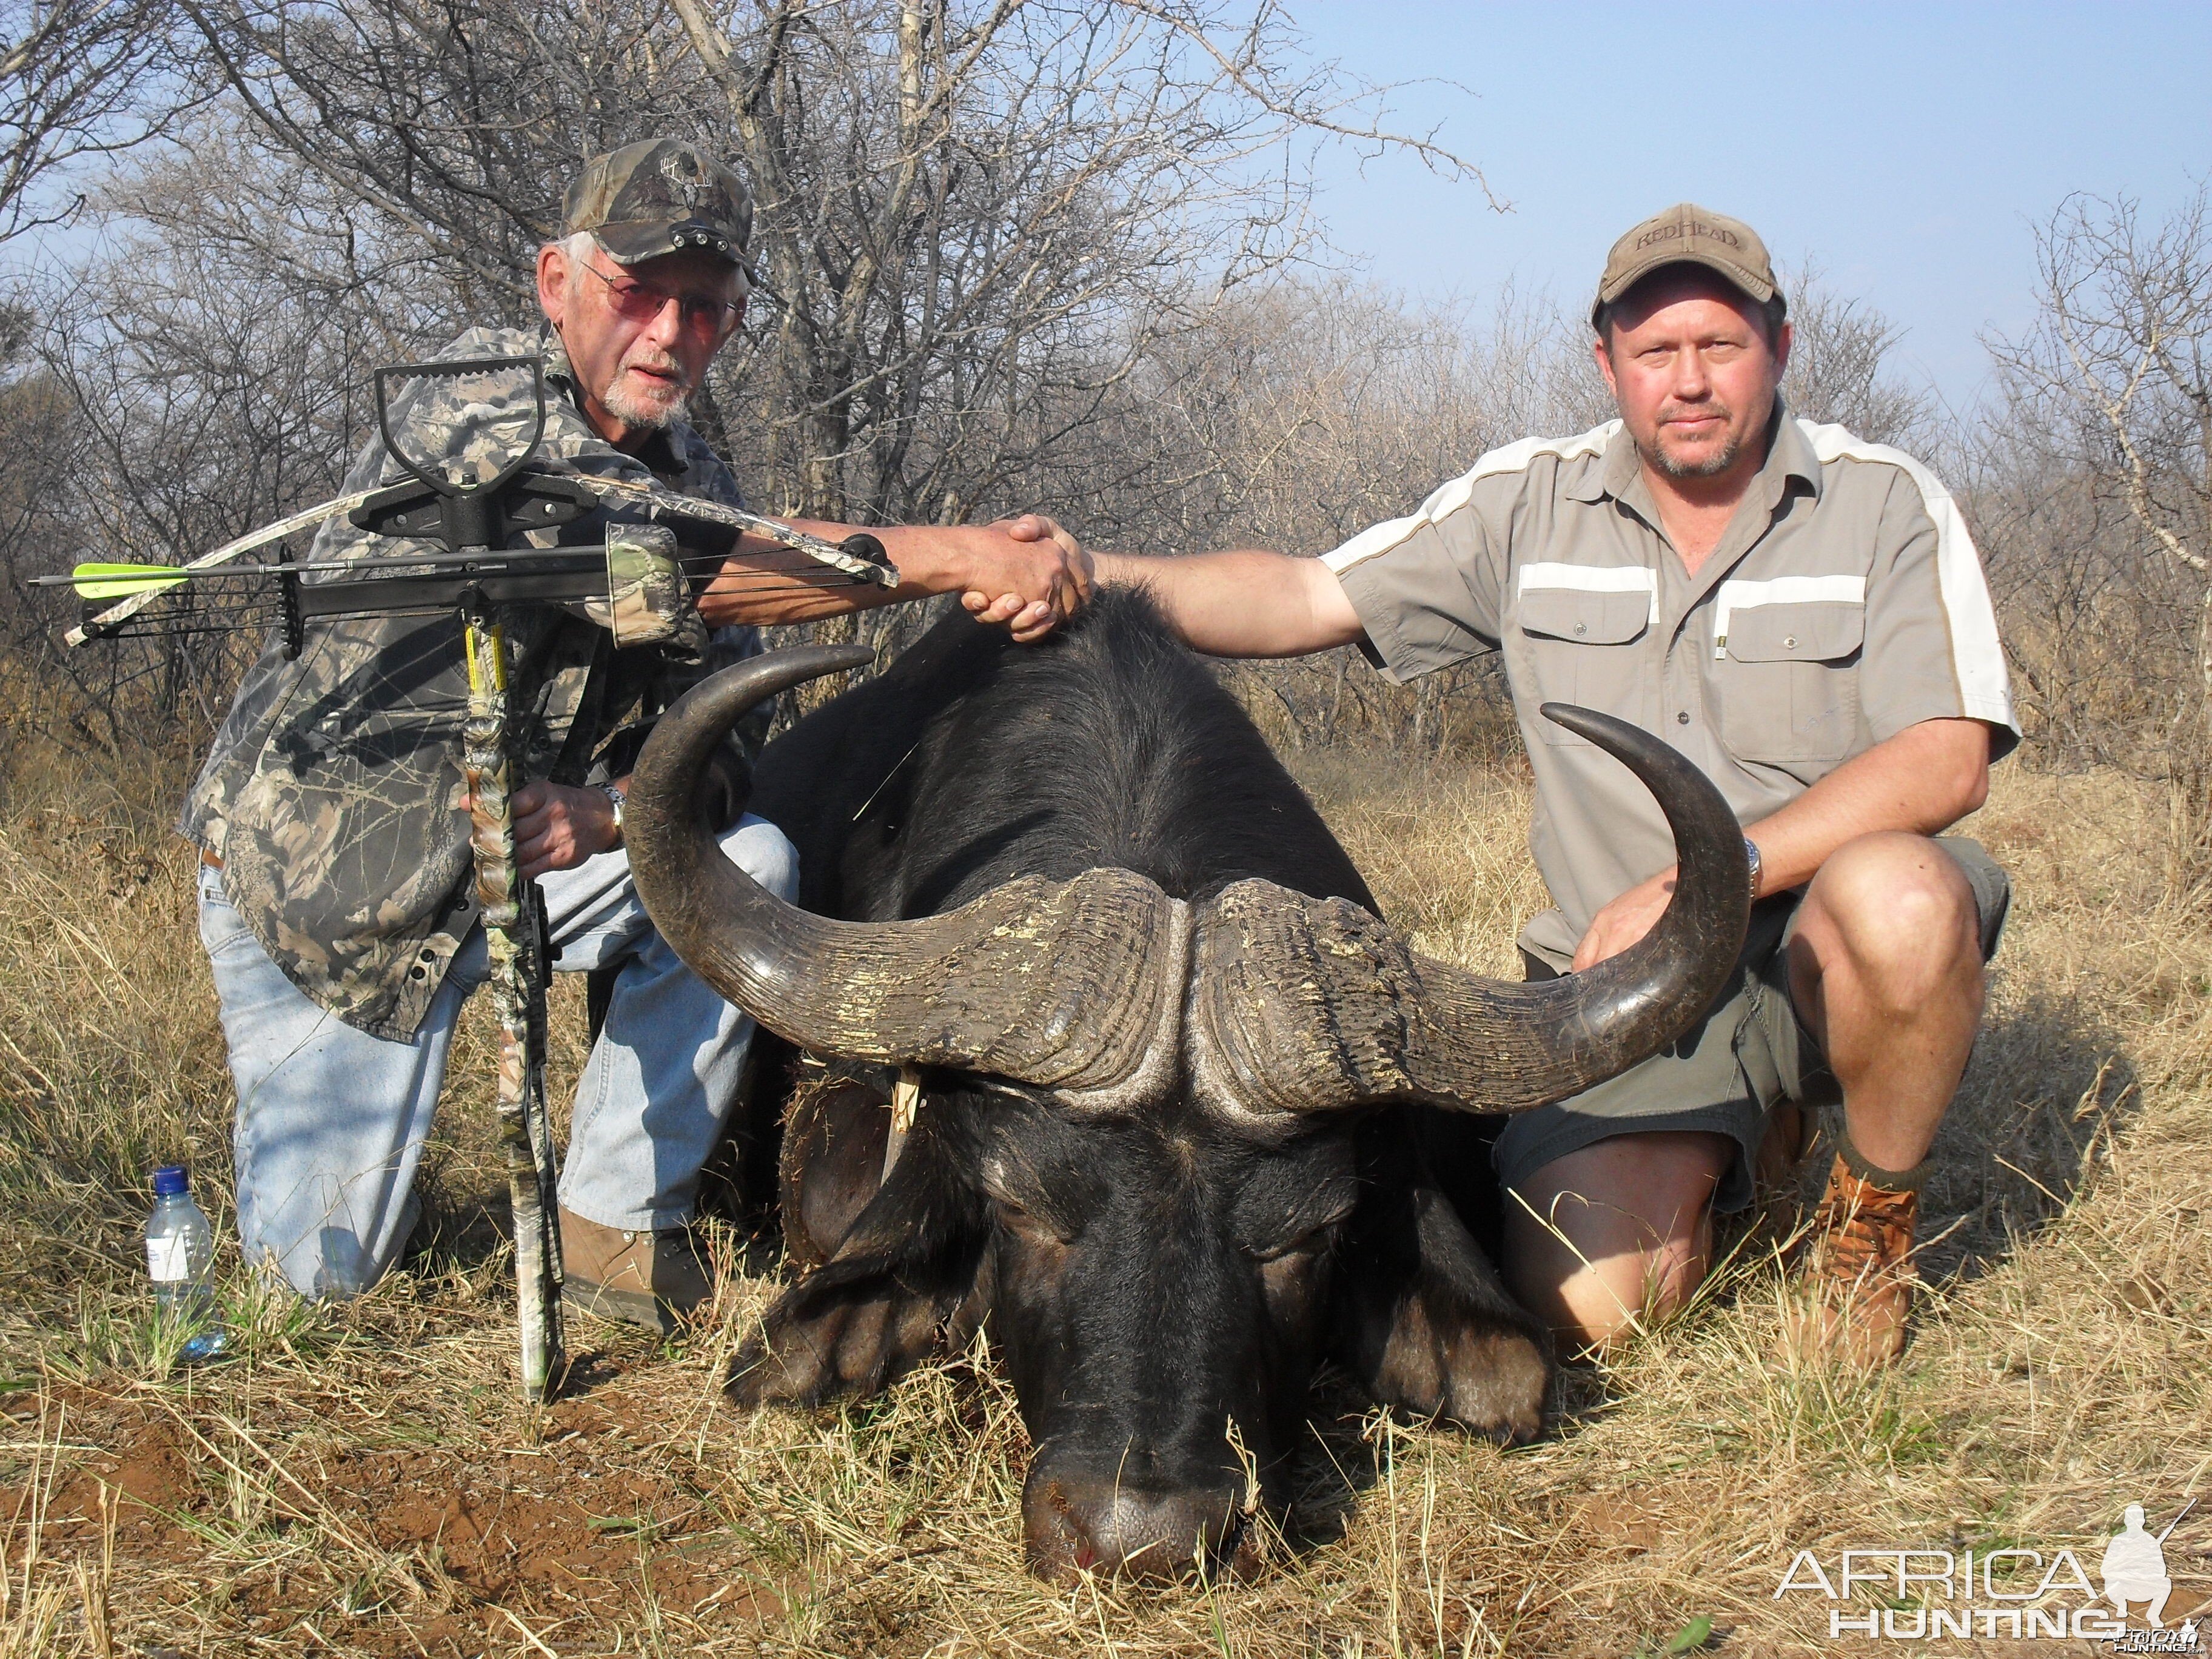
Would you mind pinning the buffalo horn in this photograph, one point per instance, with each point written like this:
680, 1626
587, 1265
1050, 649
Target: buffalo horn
1303, 1005
1064, 985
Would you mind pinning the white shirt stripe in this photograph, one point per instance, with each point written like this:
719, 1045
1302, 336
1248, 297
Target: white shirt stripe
1733, 596
1450, 497
1591, 578
1976, 659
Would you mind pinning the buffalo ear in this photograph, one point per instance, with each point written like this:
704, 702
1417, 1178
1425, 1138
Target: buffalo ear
1421, 1320
832, 1161
910, 1275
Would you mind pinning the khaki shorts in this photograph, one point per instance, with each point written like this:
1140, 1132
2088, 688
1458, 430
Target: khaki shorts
1728, 1071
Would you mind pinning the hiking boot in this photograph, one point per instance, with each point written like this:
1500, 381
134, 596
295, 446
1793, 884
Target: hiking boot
1856, 1285
653, 1279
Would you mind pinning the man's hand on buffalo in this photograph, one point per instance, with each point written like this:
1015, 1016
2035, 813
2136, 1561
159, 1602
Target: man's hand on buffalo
557, 827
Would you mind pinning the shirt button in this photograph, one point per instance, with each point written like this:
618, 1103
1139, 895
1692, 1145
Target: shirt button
1682, 718
418, 973
1789, 641
1581, 628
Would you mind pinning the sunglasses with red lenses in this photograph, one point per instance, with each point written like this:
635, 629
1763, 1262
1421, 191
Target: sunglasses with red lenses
639, 301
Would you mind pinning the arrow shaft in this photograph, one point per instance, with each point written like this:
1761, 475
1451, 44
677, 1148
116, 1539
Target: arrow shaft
169, 575
660, 503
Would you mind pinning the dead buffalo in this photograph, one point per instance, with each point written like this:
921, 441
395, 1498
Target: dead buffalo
1175, 1071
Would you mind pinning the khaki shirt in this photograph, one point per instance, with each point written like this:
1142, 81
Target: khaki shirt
1844, 602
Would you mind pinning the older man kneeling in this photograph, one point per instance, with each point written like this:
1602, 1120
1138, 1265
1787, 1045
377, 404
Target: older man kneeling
336, 899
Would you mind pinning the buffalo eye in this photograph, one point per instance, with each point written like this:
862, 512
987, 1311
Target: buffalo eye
1311, 1242
1025, 1224
1292, 1272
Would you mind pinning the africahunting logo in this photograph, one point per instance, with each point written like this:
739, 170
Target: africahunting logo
1920, 1594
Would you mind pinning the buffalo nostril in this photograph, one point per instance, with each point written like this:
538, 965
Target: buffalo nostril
1129, 1532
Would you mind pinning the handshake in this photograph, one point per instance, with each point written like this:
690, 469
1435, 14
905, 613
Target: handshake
1030, 575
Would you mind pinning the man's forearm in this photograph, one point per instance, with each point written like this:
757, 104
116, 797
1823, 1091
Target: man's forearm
1245, 603
763, 583
930, 558
1923, 780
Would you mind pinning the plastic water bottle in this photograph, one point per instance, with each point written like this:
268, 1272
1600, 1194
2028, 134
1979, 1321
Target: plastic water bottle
179, 1251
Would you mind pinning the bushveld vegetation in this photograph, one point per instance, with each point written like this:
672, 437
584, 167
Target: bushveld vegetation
1010, 257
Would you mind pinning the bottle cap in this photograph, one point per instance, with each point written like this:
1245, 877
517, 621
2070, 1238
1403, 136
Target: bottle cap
170, 1181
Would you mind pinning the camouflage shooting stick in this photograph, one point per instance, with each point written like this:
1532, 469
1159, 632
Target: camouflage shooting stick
634, 585
515, 929
472, 517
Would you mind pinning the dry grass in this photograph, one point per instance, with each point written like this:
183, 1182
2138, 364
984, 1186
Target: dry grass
363, 1480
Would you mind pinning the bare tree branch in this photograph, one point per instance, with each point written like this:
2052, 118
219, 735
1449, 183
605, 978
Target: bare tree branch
2124, 341
79, 81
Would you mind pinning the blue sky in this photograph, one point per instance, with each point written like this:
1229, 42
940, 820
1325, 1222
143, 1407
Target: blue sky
1908, 148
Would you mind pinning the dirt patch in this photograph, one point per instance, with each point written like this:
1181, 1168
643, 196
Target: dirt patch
585, 1515
1618, 1520
581, 1416
153, 1472
433, 1543
141, 1489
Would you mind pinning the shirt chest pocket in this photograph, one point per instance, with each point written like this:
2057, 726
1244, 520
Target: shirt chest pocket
1583, 647
1786, 679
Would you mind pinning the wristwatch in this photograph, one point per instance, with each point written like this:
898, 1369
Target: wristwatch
1750, 852
617, 797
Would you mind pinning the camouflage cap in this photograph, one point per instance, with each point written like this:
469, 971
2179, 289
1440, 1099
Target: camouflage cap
659, 195
1686, 233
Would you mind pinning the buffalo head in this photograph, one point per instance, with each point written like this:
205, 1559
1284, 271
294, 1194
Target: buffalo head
1168, 1145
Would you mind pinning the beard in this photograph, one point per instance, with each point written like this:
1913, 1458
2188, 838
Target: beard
1710, 466
654, 408
1705, 466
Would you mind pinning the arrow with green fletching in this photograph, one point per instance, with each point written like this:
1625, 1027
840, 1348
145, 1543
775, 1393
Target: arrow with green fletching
130, 604
120, 581
116, 582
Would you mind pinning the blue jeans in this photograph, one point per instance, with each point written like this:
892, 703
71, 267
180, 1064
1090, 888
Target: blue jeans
331, 1120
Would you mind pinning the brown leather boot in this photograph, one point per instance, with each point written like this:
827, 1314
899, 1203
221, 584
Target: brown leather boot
653, 1279
1857, 1279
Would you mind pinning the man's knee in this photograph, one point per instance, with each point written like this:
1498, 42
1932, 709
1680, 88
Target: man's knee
764, 853
1615, 1233
1897, 908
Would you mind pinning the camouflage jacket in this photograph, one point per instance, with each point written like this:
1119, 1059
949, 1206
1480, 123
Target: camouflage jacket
334, 794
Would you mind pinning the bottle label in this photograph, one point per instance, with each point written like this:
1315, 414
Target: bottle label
169, 1260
